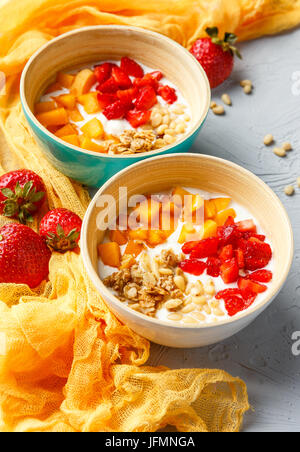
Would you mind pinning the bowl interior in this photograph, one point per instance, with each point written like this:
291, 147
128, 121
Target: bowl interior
94, 44
207, 173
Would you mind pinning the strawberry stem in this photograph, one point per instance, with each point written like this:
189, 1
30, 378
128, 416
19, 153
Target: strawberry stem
227, 43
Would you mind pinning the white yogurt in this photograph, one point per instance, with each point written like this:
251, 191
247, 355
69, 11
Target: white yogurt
172, 243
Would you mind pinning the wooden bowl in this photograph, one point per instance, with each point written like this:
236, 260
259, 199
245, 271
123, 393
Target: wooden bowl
213, 175
92, 44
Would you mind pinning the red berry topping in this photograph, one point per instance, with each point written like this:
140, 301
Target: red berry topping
234, 305
147, 80
106, 99
246, 226
145, 99
116, 110
103, 72
167, 93
22, 194
227, 293
213, 266
61, 229
205, 248
156, 75
216, 55
261, 276
229, 271
249, 287
122, 80
131, 67
226, 253
193, 266
257, 254
24, 256
137, 118
127, 96
110, 86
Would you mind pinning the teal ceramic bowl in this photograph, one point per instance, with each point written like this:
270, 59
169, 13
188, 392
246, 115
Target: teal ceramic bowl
92, 44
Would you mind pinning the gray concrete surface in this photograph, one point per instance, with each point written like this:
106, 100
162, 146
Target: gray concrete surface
261, 354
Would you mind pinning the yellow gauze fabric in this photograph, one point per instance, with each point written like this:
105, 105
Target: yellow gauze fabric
66, 363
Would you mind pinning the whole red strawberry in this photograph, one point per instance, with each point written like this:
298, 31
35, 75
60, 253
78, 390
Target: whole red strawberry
24, 256
215, 55
61, 229
22, 194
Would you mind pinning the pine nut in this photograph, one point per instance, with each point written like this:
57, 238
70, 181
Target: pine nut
199, 316
170, 132
200, 300
289, 190
218, 110
180, 283
244, 83
298, 181
268, 139
166, 271
173, 304
248, 89
287, 146
218, 312
161, 129
180, 128
226, 99
209, 288
189, 320
172, 125
213, 104
207, 309
215, 304
166, 119
169, 139
156, 120
197, 289
187, 309
187, 118
279, 152
175, 316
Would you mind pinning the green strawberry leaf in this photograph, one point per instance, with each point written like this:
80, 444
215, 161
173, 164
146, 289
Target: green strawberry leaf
27, 189
7, 192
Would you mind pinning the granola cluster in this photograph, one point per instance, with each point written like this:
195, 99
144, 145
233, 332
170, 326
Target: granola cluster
133, 142
151, 284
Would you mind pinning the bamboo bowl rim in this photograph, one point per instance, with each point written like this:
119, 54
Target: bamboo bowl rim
102, 289
172, 44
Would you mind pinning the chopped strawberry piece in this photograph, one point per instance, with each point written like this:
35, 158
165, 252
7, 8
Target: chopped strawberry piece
228, 234
193, 266
137, 118
228, 293
239, 255
103, 72
106, 99
131, 67
229, 271
121, 79
110, 86
188, 247
261, 276
156, 75
167, 93
250, 287
147, 80
234, 305
229, 221
116, 110
257, 254
246, 226
128, 95
146, 98
226, 253
205, 248
213, 266
248, 235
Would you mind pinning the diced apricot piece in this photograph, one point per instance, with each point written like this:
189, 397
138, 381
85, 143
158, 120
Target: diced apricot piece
89, 145
83, 82
53, 87
209, 229
90, 102
71, 139
148, 212
75, 115
179, 191
57, 117
53, 129
221, 217
65, 80
138, 234
156, 237
43, 107
118, 236
93, 129
110, 254
66, 130
66, 100
108, 136
210, 209
134, 248
188, 233
221, 203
